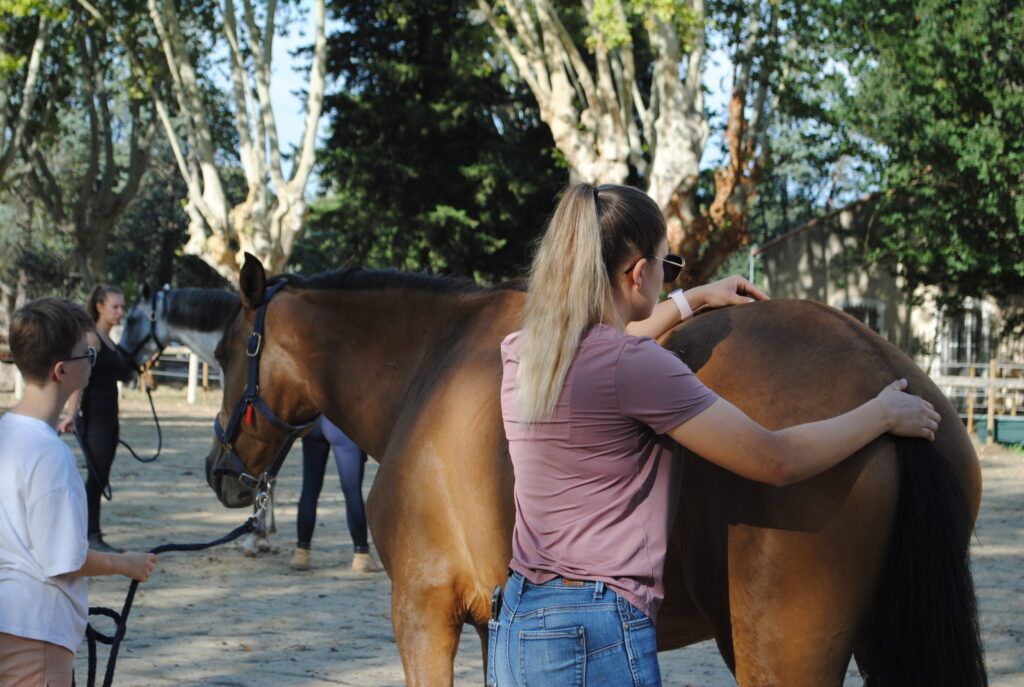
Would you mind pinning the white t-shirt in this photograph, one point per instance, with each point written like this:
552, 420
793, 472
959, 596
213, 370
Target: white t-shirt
42, 535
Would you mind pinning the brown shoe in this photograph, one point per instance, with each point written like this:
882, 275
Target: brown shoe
364, 563
300, 561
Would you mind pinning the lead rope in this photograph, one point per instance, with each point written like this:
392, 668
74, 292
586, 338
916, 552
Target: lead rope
93, 635
106, 490
159, 434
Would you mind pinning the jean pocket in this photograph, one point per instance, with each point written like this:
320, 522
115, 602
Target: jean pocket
641, 642
553, 657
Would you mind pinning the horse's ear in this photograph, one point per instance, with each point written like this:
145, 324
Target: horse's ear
146, 292
252, 282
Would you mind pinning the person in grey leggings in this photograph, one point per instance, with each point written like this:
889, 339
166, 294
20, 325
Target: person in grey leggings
350, 460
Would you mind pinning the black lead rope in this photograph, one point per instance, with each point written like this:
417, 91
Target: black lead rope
159, 435
93, 635
107, 491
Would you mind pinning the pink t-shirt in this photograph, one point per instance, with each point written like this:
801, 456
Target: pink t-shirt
596, 483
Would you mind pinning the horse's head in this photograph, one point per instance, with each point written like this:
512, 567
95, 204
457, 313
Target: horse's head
145, 328
264, 408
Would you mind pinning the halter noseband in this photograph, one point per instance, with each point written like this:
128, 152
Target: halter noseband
232, 464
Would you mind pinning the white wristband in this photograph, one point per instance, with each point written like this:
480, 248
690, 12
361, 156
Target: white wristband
685, 311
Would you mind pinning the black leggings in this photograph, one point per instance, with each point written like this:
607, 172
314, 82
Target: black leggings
350, 461
98, 435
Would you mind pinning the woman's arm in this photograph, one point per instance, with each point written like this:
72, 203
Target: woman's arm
137, 566
725, 435
67, 420
663, 318
733, 290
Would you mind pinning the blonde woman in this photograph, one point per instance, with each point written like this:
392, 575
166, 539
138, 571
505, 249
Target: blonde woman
592, 410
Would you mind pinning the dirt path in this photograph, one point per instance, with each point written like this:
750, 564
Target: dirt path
219, 618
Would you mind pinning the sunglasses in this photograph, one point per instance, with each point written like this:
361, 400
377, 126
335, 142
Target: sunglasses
673, 265
90, 353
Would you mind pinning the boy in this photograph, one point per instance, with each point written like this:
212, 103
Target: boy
44, 555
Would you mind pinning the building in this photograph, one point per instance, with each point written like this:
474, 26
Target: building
811, 262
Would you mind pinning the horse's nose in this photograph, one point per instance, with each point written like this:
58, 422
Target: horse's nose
211, 461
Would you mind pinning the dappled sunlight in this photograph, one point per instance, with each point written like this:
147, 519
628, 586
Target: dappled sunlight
216, 617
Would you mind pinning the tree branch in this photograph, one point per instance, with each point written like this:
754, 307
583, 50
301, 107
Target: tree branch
531, 66
267, 129
314, 102
247, 153
28, 97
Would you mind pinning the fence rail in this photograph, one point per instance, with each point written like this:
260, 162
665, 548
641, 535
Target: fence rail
989, 397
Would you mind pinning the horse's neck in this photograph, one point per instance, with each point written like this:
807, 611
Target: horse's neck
373, 354
202, 341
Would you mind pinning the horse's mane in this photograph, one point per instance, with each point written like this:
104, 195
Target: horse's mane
359, 278
204, 310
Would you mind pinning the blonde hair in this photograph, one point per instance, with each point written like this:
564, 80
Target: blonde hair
591, 233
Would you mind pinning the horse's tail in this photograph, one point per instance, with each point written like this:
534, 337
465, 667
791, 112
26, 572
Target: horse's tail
925, 626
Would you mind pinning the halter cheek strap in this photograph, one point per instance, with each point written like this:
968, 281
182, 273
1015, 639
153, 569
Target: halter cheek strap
154, 309
232, 464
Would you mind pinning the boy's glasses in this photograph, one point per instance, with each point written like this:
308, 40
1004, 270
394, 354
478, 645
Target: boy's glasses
673, 265
90, 353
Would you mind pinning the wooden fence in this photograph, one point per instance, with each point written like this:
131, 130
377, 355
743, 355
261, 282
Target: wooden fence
988, 396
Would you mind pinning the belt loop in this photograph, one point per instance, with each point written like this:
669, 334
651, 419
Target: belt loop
598, 590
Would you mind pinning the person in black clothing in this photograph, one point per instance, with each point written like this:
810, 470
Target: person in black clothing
325, 438
96, 419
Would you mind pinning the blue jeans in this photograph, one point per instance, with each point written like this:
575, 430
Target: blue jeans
568, 634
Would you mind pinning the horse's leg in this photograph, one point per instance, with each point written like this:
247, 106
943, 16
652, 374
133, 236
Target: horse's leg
801, 599
788, 576
427, 629
425, 612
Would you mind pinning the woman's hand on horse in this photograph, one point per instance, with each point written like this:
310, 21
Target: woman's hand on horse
66, 424
909, 415
734, 290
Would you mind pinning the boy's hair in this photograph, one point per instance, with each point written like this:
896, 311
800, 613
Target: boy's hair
45, 332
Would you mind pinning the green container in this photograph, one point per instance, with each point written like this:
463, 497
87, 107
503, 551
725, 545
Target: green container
1009, 430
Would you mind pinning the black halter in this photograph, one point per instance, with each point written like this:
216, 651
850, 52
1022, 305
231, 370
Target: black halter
152, 335
232, 463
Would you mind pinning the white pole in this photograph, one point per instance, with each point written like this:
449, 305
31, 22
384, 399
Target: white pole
750, 264
193, 376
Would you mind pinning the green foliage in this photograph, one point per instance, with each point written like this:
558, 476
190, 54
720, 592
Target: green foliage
436, 161
35, 252
942, 92
146, 244
613, 22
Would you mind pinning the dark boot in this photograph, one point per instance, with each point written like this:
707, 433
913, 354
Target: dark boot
96, 543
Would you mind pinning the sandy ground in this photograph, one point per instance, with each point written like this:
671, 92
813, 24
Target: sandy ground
219, 618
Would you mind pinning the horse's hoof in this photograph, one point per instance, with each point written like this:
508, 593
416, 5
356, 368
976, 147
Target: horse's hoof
263, 545
249, 546
300, 561
364, 563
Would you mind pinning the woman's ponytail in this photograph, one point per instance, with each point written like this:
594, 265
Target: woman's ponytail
592, 231
568, 292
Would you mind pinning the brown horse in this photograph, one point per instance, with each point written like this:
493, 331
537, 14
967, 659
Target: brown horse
869, 558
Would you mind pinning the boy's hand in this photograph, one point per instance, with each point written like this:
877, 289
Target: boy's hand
138, 566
